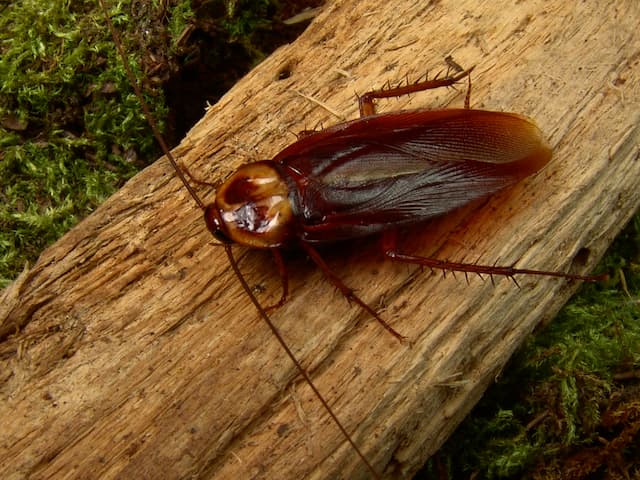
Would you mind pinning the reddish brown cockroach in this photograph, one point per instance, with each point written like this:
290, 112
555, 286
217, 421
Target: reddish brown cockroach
369, 176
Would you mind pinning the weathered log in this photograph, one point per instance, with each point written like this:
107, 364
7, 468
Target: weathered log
130, 351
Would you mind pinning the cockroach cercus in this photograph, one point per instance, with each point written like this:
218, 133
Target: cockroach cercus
368, 176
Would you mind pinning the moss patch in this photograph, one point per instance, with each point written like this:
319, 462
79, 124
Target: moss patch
568, 404
71, 129
70, 132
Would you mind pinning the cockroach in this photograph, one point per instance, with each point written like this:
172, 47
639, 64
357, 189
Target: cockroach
372, 175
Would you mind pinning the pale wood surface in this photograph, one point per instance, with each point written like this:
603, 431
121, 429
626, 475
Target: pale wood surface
138, 356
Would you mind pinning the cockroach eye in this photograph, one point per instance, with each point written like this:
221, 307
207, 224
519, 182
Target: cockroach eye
220, 236
214, 225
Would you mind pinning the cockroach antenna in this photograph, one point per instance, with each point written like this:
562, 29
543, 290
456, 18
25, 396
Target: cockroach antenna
227, 246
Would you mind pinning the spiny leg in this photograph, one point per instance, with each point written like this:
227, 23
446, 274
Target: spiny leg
303, 372
346, 291
367, 107
284, 277
389, 245
467, 97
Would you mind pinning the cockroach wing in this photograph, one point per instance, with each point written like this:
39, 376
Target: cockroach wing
390, 170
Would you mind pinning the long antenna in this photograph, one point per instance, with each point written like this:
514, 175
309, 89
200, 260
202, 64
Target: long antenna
227, 247
145, 107
276, 333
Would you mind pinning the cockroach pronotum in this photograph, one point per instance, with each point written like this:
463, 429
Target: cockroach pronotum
368, 176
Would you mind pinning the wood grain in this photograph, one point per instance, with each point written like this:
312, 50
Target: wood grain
130, 351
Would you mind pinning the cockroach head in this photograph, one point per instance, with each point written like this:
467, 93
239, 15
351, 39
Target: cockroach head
214, 225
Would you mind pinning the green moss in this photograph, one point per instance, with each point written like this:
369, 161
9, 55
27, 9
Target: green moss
70, 132
569, 401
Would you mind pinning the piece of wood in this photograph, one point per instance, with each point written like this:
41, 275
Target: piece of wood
130, 351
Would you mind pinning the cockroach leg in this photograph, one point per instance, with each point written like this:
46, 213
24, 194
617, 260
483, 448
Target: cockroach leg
453, 64
367, 107
346, 291
197, 180
261, 311
467, 97
389, 242
284, 277
305, 133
